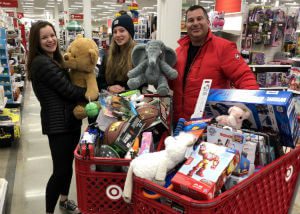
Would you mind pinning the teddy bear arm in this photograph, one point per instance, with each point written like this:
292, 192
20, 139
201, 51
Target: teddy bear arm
139, 69
168, 70
92, 91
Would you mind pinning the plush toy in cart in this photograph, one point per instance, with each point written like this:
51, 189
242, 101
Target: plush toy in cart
153, 65
235, 118
81, 58
154, 166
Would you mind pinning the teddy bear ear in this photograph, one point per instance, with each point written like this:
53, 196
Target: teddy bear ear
93, 56
79, 36
138, 54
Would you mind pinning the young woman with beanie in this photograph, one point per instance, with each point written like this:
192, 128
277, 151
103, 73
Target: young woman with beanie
114, 68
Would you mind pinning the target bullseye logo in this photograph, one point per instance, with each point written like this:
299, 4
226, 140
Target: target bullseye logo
114, 192
289, 173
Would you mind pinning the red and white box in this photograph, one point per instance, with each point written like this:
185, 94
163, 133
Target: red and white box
205, 171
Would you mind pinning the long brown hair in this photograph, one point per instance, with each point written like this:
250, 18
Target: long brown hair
119, 62
35, 46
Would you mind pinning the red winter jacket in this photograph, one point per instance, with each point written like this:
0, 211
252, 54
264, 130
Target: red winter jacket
219, 60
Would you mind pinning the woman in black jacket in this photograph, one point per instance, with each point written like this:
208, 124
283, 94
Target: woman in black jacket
57, 97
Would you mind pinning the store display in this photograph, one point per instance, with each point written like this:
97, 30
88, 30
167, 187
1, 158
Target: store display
5, 77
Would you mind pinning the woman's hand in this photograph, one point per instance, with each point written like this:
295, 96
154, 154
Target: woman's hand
115, 89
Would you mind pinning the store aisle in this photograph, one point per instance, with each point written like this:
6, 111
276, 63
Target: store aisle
27, 165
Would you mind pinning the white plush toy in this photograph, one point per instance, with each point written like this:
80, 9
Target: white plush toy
154, 166
235, 117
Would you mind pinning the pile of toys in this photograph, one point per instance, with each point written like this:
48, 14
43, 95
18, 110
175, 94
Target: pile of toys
127, 124
242, 131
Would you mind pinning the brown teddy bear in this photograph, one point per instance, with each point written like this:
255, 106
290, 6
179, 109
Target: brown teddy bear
81, 58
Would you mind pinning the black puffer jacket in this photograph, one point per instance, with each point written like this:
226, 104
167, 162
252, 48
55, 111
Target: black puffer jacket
57, 96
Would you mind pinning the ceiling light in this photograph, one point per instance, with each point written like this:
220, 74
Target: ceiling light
207, 2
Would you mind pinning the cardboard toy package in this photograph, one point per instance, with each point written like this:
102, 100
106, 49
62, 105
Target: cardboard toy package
230, 139
205, 171
270, 110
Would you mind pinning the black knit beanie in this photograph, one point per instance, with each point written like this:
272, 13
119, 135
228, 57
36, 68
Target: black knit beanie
124, 21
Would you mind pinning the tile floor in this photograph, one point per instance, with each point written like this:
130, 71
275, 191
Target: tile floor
27, 165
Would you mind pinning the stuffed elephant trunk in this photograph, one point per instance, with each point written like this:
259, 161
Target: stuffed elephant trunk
153, 56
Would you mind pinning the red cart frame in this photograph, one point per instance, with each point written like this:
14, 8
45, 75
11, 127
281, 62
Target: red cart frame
267, 191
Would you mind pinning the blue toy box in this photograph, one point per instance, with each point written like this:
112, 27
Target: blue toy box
271, 110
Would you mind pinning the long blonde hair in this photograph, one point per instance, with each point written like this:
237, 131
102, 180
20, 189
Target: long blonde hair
119, 62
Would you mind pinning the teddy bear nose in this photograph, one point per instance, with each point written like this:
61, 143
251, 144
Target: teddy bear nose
66, 57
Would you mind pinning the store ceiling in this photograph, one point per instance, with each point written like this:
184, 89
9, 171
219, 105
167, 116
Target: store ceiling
101, 9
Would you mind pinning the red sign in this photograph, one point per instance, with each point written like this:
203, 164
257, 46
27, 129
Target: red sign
8, 3
76, 16
228, 6
120, 1
11, 13
20, 15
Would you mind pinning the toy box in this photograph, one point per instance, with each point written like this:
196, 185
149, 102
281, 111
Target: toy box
270, 110
205, 171
230, 139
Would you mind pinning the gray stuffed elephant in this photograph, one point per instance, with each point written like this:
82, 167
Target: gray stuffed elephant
153, 64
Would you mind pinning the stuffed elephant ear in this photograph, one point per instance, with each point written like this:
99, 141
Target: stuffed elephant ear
138, 54
170, 56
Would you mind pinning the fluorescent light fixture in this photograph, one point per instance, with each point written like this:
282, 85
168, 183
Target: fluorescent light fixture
28, 6
50, 6
77, 2
107, 2
208, 2
39, 8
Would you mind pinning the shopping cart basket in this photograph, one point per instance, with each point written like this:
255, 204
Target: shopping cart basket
267, 191
100, 192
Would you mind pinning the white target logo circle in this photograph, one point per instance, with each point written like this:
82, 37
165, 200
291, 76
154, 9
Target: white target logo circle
289, 173
114, 192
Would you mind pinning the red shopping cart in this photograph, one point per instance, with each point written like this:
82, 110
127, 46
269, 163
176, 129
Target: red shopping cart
101, 191
267, 191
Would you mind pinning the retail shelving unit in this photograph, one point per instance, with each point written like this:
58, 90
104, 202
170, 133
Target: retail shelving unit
5, 78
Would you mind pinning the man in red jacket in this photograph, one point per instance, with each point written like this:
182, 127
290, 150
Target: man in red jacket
202, 55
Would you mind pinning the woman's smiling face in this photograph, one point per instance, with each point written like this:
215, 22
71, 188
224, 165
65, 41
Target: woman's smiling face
48, 40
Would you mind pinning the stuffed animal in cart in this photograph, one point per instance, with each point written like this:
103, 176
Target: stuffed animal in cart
153, 64
154, 166
81, 58
235, 118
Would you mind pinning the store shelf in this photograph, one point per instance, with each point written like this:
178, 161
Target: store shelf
231, 32
270, 65
274, 88
293, 91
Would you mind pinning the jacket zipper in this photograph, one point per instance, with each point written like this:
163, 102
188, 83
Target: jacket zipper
184, 84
